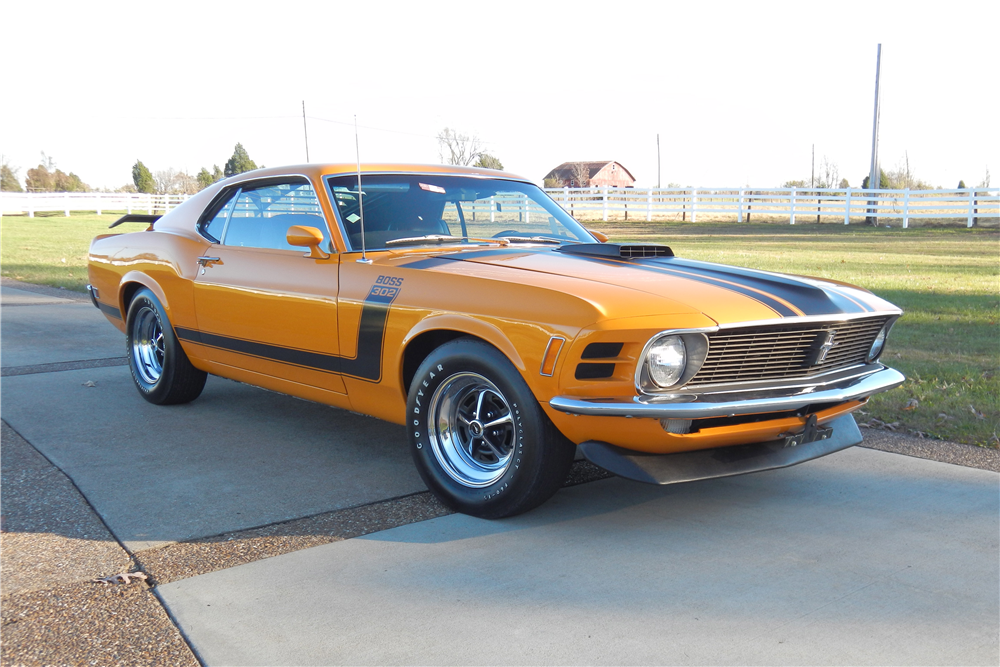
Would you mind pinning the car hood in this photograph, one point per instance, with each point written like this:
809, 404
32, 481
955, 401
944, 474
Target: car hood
723, 293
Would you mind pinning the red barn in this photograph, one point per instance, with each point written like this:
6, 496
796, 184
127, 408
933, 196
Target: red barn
592, 174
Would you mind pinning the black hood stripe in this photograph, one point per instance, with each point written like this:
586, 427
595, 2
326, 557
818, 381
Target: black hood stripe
786, 296
779, 306
365, 365
811, 300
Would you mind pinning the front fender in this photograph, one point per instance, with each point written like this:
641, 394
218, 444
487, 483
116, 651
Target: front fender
470, 325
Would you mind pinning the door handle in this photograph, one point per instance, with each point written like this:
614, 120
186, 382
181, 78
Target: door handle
208, 261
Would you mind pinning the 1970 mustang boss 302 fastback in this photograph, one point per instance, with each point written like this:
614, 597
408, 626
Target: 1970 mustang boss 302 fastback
468, 306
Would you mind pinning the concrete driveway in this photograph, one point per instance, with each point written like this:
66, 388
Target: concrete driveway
276, 531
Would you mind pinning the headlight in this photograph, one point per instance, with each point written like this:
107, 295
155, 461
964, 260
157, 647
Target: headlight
666, 360
878, 344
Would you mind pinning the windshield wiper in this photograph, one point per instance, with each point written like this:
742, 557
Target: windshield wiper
439, 238
536, 239
499, 240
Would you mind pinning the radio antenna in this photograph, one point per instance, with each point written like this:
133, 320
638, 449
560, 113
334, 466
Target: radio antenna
361, 204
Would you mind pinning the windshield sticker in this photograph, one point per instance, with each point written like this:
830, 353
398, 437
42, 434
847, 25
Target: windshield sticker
432, 188
353, 217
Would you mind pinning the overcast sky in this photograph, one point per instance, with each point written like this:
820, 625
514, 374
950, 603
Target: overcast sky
738, 92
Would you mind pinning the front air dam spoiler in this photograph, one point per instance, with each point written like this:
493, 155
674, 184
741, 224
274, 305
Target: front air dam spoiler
719, 462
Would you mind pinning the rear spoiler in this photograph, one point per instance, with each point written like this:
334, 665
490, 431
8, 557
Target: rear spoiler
136, 217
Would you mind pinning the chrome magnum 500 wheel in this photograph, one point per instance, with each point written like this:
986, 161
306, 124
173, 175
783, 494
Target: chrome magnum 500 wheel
471, 430
161, 371
479, 438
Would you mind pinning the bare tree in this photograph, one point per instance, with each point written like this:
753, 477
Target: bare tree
457, 148
901, 177
985, 183
581, 175
829, 174
164, 180
173, 182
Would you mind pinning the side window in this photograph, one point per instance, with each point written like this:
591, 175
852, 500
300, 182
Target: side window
214, 227
261, 216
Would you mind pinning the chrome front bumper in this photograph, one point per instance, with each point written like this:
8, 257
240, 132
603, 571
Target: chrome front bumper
727, 405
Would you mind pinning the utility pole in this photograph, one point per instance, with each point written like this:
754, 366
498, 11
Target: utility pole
305, 130
812, 180
812, 172
874, 174
657, 160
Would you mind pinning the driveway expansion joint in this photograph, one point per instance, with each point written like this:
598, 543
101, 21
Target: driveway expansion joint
12, 371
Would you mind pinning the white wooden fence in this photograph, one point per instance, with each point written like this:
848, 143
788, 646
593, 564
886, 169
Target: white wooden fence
737, 204
793, 204
34, 202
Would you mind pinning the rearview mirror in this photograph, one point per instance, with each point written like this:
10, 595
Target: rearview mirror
307, 237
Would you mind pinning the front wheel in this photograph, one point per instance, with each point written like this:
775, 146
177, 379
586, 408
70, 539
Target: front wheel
479, 439
160, 368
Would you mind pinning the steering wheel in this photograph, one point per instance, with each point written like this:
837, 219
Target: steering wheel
506, 232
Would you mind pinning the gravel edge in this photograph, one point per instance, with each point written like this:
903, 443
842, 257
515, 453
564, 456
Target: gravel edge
55, 546
45, 290
942, 451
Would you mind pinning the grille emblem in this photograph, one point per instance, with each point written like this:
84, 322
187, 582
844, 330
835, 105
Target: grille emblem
825, 347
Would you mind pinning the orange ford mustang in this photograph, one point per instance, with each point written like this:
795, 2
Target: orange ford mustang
468, 306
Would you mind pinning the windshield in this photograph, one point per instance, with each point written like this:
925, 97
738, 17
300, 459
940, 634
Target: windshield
409, 206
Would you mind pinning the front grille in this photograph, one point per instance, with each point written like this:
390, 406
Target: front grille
786, 352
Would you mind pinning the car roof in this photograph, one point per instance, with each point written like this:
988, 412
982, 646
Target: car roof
325, 169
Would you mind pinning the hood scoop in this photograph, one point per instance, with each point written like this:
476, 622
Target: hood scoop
616, 251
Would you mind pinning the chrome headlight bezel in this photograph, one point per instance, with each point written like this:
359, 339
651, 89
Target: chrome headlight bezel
878, 345
695, 347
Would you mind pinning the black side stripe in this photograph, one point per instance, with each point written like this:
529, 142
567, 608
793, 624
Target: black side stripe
366, 365
111, 311
428, 263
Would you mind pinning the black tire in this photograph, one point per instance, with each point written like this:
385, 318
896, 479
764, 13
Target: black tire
479, 439
160, 368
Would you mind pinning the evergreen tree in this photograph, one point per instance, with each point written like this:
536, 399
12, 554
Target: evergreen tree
239, 162
961, 185
487, 161
204, 179
143, 178
883, 180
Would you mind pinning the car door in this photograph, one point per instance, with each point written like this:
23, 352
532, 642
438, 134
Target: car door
263, 305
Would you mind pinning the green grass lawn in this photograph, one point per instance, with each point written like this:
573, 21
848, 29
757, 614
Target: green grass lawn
947, 280
52, 249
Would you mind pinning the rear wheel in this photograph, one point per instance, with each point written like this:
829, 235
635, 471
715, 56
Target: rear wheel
479, 439
160, 368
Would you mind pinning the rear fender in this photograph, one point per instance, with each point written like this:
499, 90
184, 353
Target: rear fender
139, 278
